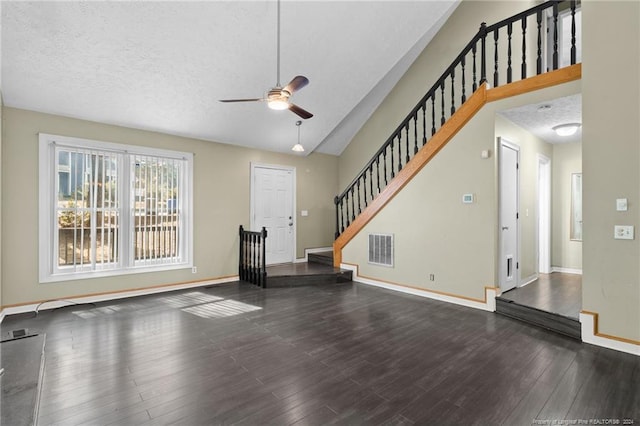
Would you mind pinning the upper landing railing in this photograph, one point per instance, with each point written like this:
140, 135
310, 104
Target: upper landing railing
514, 52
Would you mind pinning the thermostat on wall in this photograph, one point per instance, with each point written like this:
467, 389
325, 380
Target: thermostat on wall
467, 198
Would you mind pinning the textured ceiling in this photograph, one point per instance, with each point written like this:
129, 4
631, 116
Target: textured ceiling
163, 66
540, 118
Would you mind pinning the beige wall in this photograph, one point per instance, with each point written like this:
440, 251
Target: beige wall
434, 232
428, 67
530, 148
1, 168
567, 159
611, 163
221, 203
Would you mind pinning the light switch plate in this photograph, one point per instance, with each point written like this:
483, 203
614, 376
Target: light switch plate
304, 213
467, 198
623, 232
621, 204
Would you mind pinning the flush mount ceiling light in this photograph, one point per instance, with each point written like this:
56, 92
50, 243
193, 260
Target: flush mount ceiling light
298, 147
566, 129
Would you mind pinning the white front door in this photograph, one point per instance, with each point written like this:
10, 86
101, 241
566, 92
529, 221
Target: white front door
272, 206
508, 221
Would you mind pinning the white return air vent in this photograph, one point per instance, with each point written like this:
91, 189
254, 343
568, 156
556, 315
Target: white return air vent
381, 249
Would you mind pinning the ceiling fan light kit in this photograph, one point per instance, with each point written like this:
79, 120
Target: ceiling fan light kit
278, 97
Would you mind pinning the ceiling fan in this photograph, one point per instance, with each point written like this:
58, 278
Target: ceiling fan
278, 96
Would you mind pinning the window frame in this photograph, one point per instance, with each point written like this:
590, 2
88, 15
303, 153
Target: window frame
126, 264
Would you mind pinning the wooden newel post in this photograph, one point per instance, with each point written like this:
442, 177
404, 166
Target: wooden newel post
483, 52
263, 261
241, 262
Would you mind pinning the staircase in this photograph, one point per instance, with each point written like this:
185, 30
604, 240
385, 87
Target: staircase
555, 322
498, 55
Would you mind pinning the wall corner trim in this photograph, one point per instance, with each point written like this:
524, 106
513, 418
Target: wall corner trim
591, 335
486, 304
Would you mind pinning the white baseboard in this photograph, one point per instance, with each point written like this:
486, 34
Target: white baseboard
588, 322
59, 303
528, 280
488, 305
566, 270
311, 250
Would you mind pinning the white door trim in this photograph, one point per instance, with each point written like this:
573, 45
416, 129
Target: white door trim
544, 214
516, 276
252, 220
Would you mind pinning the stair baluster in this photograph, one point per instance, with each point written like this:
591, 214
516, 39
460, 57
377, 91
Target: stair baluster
555, 36
509, 31
453, 97
442, 118
573, 32
523, 73
539, 57
495, 60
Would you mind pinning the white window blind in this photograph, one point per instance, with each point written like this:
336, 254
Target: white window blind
114, 208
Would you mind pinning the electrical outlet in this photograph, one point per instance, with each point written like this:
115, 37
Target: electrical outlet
432, 277
621, 232
194, 270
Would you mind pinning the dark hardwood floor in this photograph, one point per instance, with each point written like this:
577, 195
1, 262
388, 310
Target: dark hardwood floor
558, 293
334, 354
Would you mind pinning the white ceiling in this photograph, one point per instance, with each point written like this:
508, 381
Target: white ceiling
163, 66
540, 118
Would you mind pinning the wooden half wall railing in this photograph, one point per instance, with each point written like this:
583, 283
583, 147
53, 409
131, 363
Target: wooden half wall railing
441, 113
252, 265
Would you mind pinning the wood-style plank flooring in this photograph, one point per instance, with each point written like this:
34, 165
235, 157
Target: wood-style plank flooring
336, 354
558, 293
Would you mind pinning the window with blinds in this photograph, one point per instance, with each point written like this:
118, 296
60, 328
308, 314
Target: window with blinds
114, 208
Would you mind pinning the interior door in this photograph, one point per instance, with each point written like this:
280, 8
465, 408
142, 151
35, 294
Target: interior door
273, 207
508, 178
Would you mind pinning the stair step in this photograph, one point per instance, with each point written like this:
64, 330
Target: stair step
324, 258
305, 274
555, 322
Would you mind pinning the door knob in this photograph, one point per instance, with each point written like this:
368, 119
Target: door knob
504, 228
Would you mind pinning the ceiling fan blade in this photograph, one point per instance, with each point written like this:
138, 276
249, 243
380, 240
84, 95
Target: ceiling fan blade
297, 83
304, 114
241, 100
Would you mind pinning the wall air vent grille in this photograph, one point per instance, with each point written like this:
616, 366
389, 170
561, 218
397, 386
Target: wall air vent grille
381, 249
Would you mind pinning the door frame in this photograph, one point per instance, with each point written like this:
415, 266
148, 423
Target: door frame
252, 211
544, 215
516, 276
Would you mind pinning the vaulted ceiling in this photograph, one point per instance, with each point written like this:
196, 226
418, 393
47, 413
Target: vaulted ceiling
163, 66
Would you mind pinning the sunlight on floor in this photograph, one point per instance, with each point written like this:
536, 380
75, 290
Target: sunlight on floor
224, 308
